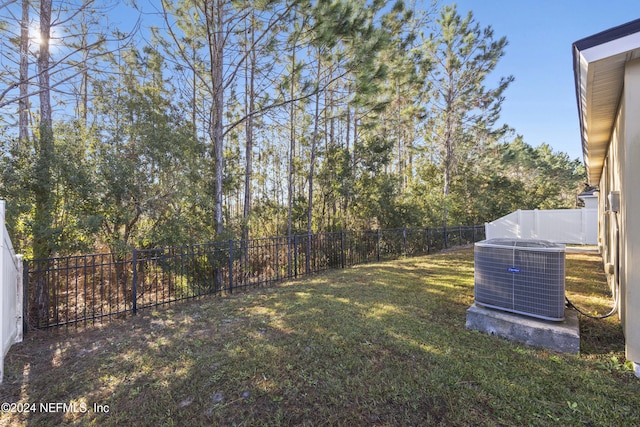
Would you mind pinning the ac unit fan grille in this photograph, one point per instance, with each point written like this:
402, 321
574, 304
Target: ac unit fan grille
521, 278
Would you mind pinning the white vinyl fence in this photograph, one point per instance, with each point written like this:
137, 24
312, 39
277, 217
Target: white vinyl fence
10, 292
571, 226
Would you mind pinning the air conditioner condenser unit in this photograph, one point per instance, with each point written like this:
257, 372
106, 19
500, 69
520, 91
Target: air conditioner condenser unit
521, 276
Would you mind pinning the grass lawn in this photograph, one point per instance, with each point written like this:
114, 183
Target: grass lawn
377, 344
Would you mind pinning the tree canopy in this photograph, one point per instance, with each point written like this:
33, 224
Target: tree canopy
207, 120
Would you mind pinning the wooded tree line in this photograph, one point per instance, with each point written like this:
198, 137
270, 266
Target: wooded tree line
216, 119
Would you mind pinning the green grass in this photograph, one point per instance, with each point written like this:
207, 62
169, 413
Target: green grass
379, 344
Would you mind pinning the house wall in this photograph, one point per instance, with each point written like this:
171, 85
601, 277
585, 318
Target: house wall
630, 210
619, 233
609, 222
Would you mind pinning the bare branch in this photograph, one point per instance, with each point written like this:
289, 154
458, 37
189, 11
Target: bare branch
277, 104
7, 3
56, 69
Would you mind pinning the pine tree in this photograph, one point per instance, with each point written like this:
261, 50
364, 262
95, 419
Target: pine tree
461, 108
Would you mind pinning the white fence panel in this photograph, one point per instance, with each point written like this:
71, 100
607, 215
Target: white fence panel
10, 292
572, 226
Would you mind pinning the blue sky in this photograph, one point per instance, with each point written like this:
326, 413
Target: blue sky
541, 103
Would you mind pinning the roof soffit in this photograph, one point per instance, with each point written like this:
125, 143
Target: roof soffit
599, 63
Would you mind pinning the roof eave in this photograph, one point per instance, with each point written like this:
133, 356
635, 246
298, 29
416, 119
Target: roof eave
579, 70
599, 60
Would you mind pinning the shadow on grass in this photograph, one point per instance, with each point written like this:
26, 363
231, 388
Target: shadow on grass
380, 344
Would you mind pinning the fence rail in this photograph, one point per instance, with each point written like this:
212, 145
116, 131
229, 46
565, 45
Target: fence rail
89, 288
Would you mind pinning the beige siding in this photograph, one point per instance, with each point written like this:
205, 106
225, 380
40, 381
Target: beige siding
630, 211
621, 172
608, 221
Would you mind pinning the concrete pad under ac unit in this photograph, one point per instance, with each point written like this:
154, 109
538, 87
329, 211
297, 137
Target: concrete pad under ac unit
561, 336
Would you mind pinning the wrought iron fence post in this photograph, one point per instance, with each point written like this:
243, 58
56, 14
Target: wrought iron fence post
295, 255
445, 236
230, 266
134, 279
277, 239
342, 255
428, 245
289, 256
378, 243
404, 241
308, 253
460, 235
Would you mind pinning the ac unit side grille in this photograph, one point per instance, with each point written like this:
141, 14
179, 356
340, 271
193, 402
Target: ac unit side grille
516, 276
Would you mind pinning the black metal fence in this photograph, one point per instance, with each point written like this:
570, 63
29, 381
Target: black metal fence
89, 288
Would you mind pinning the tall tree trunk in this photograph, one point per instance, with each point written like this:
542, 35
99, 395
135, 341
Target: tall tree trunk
84, 82
312, 163
449, 135
215, 21
345, 197
42, 188
250, 106
23, 103
292, 154
448, 165
194, 92
44, 152
292, 146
